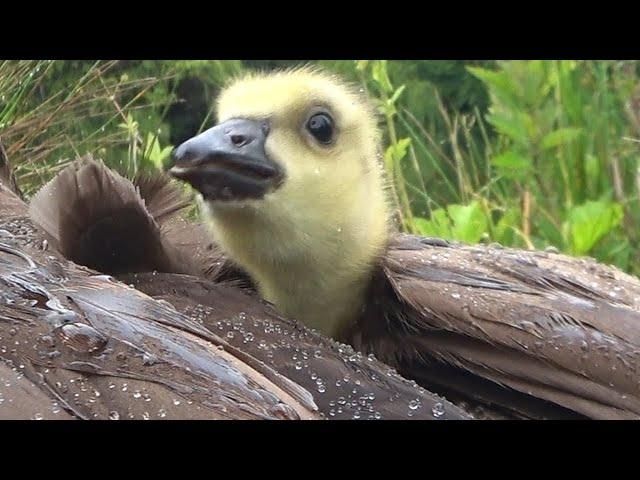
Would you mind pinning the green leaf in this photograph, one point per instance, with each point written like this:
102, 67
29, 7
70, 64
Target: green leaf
438, 226
512, 126
361, 65
154, 153
466, 223
396, 152
469, 222
503, 231
499, 83
380, 75
590, 222
401, 148
388, 109
397, 94
388, 158
512, 165
559, 137
533, 78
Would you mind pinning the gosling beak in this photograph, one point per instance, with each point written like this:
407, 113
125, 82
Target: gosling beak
228, 162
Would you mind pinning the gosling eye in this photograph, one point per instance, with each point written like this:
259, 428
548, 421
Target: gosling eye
320, 126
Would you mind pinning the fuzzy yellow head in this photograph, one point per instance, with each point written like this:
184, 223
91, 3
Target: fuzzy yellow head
309, 239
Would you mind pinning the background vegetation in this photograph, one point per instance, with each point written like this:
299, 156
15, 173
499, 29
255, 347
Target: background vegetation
532, 154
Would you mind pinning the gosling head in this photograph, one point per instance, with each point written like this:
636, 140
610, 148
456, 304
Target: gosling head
292, 189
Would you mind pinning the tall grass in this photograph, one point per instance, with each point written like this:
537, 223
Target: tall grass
553, 163
44, 128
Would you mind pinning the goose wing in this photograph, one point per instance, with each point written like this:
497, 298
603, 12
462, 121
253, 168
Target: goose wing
75, 343
344, 383
84, 345
538, 334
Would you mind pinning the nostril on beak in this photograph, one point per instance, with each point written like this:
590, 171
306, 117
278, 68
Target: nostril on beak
240, 140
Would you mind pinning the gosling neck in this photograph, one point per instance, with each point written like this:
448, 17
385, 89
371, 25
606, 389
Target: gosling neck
315, 267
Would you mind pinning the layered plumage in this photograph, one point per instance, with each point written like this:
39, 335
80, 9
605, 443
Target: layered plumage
554, 328
75, 343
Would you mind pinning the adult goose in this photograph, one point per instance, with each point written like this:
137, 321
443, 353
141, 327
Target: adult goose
293, 194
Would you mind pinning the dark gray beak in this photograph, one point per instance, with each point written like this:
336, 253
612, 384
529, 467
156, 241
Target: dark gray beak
228, 162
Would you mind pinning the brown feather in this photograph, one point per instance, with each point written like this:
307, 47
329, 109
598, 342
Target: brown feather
24, 400
194, 239
559, 329
345, 384
162, 199
99, 219
103, 350
86, 346
102, 220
